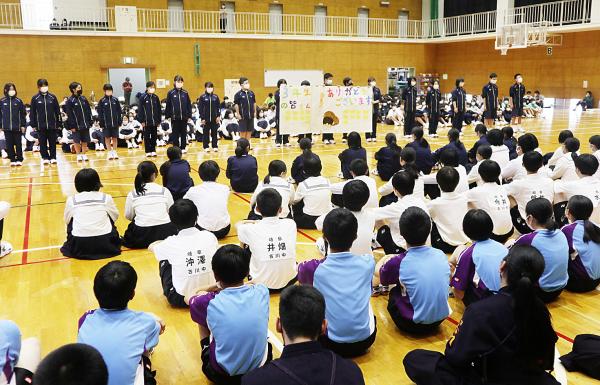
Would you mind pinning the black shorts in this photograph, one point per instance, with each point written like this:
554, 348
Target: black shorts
517, 112
111, 132
81, 136
246, 125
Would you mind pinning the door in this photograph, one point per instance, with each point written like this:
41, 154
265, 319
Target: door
137, 76
275, 19
363, 22
175, 11
403, 24
320, 20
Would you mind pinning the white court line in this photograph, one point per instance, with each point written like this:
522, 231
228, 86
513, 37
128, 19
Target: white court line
560, 372
36, 249
275, 341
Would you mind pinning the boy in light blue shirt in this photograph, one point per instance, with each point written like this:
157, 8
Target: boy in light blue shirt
233, 319
344, 279
419, 302
124, 337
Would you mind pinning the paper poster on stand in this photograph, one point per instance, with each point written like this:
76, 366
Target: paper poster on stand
320, 109
231, 87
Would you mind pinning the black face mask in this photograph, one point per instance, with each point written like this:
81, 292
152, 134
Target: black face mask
79, 92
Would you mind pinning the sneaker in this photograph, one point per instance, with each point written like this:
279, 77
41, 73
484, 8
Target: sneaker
277, 145
45, 161
4, 154
85, 158
340, 175
153, 153
288, 144
36, 149
376, 291
148, 154
291, 180
5, 249
52, 161
343, 140
373, 139
115, 156
18, 164
129, 145
183, 151
325, 141
110, 155
207, 149
332, 142
13, 164
79, 158
215, 149
375, 172
322, 246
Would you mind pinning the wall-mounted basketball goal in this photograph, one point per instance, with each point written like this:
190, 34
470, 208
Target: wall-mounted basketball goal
523, 35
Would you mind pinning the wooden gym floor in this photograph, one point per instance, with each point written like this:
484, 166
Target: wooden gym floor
46, 293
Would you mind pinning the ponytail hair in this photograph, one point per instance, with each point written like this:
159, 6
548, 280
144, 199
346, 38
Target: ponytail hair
572, 146
305, 146
581, 208
145, 170
418, 133
523, 267
243, 146
409, 156
276, 168
391, 141
541, 210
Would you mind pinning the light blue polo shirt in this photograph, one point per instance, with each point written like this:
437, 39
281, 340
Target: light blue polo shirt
555, 249
585, 256
121, 336
344, 279
10, 347
238, 320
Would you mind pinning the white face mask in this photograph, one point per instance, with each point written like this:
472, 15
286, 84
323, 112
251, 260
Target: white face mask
209, 90
151, 90
12, 93
179, 85
493, 81
413, 83
436, 86
373, 84
44, 89
519, 80
329, 82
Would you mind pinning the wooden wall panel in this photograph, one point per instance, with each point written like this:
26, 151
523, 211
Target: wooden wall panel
63, 59
560, 75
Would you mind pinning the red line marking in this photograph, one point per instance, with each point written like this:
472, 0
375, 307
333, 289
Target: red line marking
27, 222
35, 262
564, 337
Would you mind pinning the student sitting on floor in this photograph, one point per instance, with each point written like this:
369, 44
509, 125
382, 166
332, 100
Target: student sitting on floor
449, 157
184, 259
483, 153
355, 196
536, 184
481, 133
454, 143
298, 174
505, 339
388, 158
492, 198
147, 207
90, 216
583, 237
242, 168
303, 360
500, 152
514, 169
565, 165
588, 185
344, 279
124, 337
233, 318
424, 159
388, 217
595, 149
476, 274
313, 196
359, 170
446, 210
407, 163
72, 364
176, 173
419, 301
210, 199
275, 179
18, 358
510, 142
558, 153
354, 151
271, 243
552, 243
5, 247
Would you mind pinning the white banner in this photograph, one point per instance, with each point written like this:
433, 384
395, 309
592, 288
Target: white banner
319, 109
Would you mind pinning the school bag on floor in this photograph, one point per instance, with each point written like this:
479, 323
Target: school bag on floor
585, 357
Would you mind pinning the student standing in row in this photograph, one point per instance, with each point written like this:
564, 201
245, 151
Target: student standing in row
458, 104
210, 116
149, 115
12, 122
409, 96
280, 139
110, 118
328, 82
517, 92
372, 136
79, 119
45, 118
245, 108
179, 110
433, 104
490, 97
